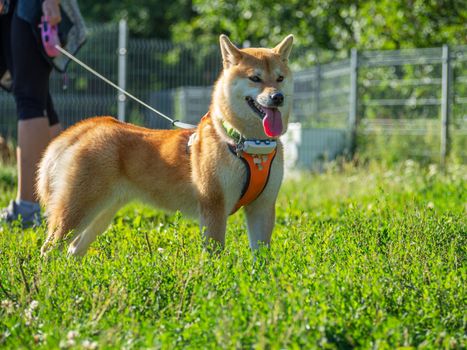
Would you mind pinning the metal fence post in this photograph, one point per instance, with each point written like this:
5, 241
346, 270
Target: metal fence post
317, 91
445, 103
353, 100
122, 56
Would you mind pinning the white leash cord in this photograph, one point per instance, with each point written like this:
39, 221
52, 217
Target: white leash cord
175, 123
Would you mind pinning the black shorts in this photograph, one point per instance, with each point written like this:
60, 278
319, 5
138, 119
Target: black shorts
30, 69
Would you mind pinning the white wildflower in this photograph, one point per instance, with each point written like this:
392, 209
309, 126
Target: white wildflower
65, 344
29, 312
8, 305
34, 304
72, 335
89, 345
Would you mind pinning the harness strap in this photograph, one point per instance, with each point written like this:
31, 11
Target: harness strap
258, 170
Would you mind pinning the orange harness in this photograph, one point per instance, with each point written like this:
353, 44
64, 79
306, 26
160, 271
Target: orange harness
258, 167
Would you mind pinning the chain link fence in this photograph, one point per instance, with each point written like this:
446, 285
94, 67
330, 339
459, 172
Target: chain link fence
390, 105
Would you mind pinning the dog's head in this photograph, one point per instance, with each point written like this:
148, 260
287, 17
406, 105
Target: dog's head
255, 89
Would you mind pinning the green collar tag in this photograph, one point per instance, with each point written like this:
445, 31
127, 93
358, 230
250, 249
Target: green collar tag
232, 132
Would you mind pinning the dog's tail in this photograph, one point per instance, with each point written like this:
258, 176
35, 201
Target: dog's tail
51, 166
47, 171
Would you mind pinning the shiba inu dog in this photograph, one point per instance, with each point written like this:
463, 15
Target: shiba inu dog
233, 158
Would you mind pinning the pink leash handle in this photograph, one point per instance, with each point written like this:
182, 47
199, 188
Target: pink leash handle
49, 36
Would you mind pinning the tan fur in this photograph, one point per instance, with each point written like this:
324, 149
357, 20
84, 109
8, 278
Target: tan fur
98, 165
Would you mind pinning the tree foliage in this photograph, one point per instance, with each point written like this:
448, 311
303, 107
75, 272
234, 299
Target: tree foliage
322, 24
330, 24
146, 18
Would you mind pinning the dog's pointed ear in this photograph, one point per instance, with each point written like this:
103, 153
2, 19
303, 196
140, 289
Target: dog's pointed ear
231, 55
284, 48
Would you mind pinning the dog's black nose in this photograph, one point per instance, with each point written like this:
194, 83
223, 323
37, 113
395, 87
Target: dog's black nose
277, 98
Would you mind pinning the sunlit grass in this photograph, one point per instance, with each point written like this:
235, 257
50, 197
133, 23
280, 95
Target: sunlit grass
367, 258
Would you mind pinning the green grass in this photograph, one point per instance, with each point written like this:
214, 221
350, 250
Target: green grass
360, 258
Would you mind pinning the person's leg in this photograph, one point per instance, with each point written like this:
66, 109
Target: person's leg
55, 127
5, 52
31, 73
33, 138
54, 131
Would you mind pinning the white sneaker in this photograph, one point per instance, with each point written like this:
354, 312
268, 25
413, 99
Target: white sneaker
29, 213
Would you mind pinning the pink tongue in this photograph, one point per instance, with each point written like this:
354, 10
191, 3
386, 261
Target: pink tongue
272, 122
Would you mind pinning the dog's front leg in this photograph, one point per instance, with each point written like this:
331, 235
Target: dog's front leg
260, 218
213, 221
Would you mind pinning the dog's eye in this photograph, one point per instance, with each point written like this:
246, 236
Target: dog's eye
281, 78
255, 78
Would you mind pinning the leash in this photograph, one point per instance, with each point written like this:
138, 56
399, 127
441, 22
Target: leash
175, 123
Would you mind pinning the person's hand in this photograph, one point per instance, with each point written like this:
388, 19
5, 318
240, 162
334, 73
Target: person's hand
51, 11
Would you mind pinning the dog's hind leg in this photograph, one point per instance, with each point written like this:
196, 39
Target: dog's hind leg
83, 240
61, 223
72, 215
